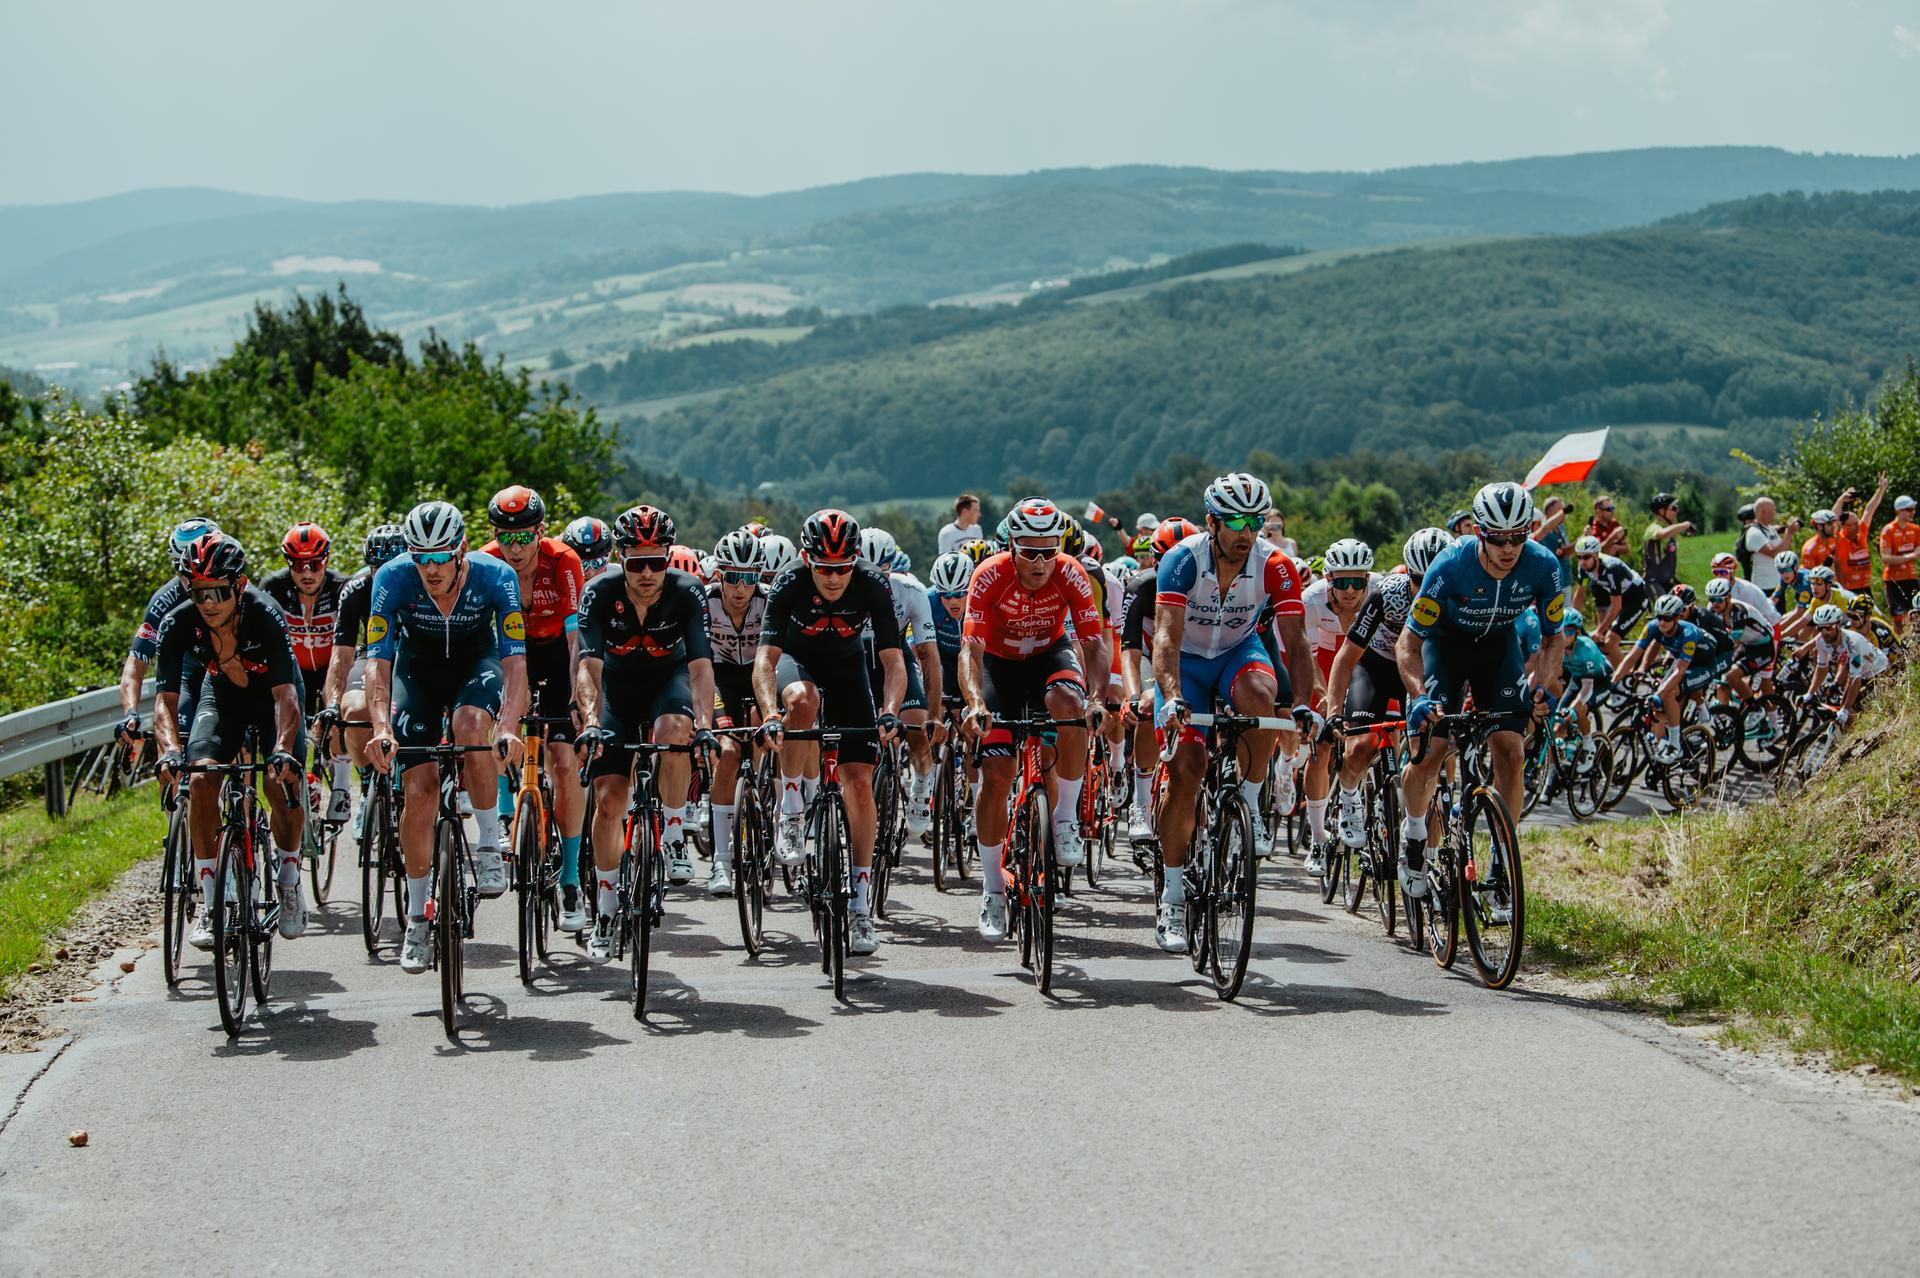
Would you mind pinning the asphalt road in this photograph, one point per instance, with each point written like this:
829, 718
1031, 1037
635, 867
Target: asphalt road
1357, 1110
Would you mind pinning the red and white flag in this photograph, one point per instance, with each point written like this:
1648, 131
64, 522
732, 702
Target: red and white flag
1571, 460
1094, 515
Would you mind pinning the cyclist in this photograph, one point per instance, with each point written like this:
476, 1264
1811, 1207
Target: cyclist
1864, 617
592, 541
1699, 657
1751, 635
1620, 595
1726, 567
1213, 588
551, 579
234, 632
308, 593
445, 639
780, 554
1822, 587
146, 638
1586, 677
913, 615
1366, 674
947, 603
1018, 659
1461, 633
1794, 594
345, 690
1333, 606
811, 668
1136, 667
1845, 654
646, 673
736, 609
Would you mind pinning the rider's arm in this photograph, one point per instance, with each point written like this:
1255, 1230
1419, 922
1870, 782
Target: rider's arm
893, 680
286, 716
972, 657
928, 655
339, 663
586, 689
1343, 663
1410, 657
766, 680
1169, 627
133, 676
380, 697
166, 723
513, 702
700, 679
1301, 667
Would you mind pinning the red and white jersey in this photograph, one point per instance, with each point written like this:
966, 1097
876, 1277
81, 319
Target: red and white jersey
1013, 622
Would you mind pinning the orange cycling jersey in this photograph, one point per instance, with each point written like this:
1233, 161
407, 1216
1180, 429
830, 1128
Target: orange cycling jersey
552, 601
1013, 622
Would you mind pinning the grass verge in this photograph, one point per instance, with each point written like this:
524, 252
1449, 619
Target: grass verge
50, 867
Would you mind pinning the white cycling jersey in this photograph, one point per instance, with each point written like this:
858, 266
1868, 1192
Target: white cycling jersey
1324, 626
1863, 657
1220, 619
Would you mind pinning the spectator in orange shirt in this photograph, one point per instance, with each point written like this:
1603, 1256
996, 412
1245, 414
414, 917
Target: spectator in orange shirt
1819, 548
1853, 544
1899, 547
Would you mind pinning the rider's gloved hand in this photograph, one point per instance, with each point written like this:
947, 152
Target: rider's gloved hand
1308, 721
772, 729
128, 729
169, 764
889, 725
1176, 711
705, 743
1422, 709
589, 742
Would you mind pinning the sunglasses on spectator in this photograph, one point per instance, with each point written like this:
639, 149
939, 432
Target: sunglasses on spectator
524, 537
1242, 523
1606, 510
644, 563
834, 570
432, 557
211, 594
306, 565
748, 578
1347, 583
1505, 539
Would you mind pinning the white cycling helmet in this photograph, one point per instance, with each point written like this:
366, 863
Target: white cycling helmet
902, 562
878, 547
1423, 548
739, 551
1503, 507
1824, 516
1237, 494
780, 554
1126, 564
434, 525
1034, 517
951, 573
1786, 561
1823, 573
1725, 559
1829, 615
1587, 545
1719, 589
1349, 554
1668, 606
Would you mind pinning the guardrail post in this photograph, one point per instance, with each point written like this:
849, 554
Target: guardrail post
57, 788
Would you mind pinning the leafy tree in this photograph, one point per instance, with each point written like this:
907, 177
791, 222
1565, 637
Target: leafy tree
1851, 449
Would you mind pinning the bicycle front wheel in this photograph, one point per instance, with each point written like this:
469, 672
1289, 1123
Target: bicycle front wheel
373, 864
645, 909
1230, 901
1686, 780
320, 865
1492, 897
1041, 884
177, 892
835, 889
232, 903
447, 909
529, 887
750, 878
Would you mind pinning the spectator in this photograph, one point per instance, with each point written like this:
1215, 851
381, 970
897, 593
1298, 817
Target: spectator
1899, 547
1853, 543
1550, 530
1660, 543
1764, 541
965, 526
1819, 548
1740, 551
1275, 531
1147, 522
1605, 526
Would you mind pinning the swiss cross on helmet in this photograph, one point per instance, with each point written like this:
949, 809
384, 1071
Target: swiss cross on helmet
1034, 517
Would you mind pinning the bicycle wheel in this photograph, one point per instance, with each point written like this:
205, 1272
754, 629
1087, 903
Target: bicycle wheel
1230, 900
645, 909
1040, 889
1533, 777
1093, 819
750, 852
942, 813
1627, 747
322, 843
886, 814
1685, 781
1443, 908
1586, 790
1802, 760
231, 952
1766, 730
1492, 897
448, 942
373, 865
833, 888
177, 892
262, 922
529, 888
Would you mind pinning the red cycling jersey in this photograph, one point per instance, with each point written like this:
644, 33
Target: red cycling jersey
1012, 622
554, 595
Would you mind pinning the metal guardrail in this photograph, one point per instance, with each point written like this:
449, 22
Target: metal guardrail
46, 736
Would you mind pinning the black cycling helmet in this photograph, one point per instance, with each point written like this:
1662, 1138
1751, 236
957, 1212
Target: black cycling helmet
643, 528
382, 544
589, 537
830, 536
214, 557
515, 508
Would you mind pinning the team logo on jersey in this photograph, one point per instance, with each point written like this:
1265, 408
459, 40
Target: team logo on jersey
1686, 649
376, 628
1426, 610
1556, 607
515, 625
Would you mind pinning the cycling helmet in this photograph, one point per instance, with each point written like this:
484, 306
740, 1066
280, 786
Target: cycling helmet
1667, 606
1317, 566
382, 544
516, 507
1502, 507
706, 567
1423, 548
434, 525
1094, 551
1828, 615
1034, 517
1457, 518
686, 559
902, 561
214, 557
755, 527
1786, 561
1572, 620
951, 573
1587, 545
1237, 494
306, 541
590, 538
1349, 554
1725, 559
643, 528
1862, 602
780, 554
878, 548
1142, 545
1719, 590
739, 551
185, 534
830, 536
1684, 593
1824, 516
976, 550
1126, 564
1073, 542
1172, 531
1824, 573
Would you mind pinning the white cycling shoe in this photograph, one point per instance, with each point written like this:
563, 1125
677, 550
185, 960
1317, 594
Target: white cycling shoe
1140, 827
790, 847
1262, 837
416, 947
1170, 928
861, 938
201, 938
993, 916
720, 880
489, 872
1068, 847
573, 911
679, 863
1353, 823
293, 911
1413, 878
600, 944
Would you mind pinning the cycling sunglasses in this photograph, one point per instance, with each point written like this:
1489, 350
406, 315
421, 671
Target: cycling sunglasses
210, 594
1505, 539
644, 563
525, 537
834, 570
1347, 583
306, 565
953, 594
432, 557
1242, 523
740, 578
1035, 553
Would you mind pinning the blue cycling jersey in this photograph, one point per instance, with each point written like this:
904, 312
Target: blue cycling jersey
485, 619
1688, 642
1459, 597
946, 629
1584, 660
1527, 626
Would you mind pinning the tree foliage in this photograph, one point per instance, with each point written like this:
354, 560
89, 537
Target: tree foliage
1851, 449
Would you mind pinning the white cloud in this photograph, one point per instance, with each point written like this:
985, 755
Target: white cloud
1907, 40
1620, 29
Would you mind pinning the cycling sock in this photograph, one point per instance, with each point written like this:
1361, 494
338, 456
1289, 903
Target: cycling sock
506, 799
1414, 827
569, 860
723, 833
1069, 809
1142, 789
793, 796
417, 897
1317, 819
203, 876
809, 786
289, 866
1673, 737
993, 875
488, 822
862, 888
1250, 791
923, 784
342, 772
673, 825
1173, 888
608, 898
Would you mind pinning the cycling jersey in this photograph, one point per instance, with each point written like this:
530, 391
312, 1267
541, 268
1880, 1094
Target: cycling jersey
946, 627
1459, 597
1610, 578
146, 639
552, 601
1136, 612
261, 659
1012, 622
1794, 592
1527, 626
800, 619
1324, 628
1745, 625
1863, 659
1383, 614
311, 623
1687, 642
485, 619
1853, 557
1584, 660
350, 618
734, 645
1899, 539
911, 610
1745, 592
1220, 618
672, 632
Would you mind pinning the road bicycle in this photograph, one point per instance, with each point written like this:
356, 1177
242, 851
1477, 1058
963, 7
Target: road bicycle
383, 867
825, 877
752, 840
1373, 867
246, 892
179, 894
535, 839
1474, 876
1561, 761
954, 846
452, 897
1811, 747
1033, 879
1633, 740
1099, 810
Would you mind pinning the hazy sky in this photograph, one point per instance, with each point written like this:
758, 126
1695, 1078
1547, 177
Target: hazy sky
498, 103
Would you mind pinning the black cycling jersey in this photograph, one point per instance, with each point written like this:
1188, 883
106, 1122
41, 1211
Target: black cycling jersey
735, 645
261, 661
311, 626
671, 633
1383, 614
146, 640
350, 618
1746, 624
1611, 577
1136, 613
799, 620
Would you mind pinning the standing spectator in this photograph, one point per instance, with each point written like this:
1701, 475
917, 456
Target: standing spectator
1605, 526
1741, 554
1820, 548
1899, 547
1660, 543
965, 526
1275, 531
1853, 544
1551, 532
1146, 523
1764, 541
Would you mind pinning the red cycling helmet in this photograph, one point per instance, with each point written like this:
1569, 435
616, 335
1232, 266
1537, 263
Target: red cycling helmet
1171, 533
306, 541
831, 537
515, 508
213, 557
686, 559
1094, 551
643, 528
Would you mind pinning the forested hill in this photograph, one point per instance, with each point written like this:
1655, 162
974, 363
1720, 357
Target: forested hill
1404, 351
1893, 212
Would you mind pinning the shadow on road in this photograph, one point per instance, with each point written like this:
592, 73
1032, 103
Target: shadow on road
675, 1007
486, 1025
874, 991
1265, 996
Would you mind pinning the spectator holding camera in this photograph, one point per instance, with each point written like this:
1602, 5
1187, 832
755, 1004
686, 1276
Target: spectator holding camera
1660, 543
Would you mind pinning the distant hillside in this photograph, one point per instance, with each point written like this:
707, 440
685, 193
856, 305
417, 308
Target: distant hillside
1406, 351
1890, 212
